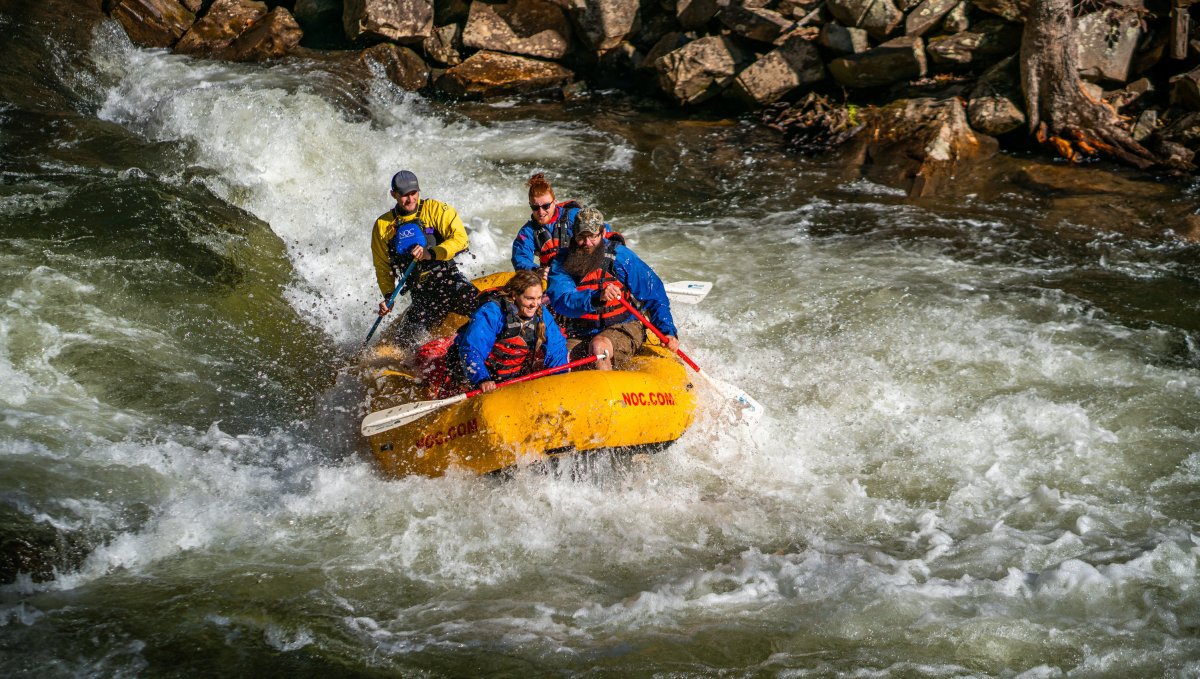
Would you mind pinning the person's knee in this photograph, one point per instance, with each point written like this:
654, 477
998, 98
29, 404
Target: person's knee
602, 346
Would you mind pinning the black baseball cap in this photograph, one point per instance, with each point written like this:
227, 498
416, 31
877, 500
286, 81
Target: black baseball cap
405, 182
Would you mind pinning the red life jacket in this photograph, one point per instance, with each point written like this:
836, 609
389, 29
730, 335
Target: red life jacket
518, 344
548, 239
612, 313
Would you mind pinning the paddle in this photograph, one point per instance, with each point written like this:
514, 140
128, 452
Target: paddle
391, 418
391, 299
688, 292
751, 409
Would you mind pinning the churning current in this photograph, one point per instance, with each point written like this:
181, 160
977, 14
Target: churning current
981, 452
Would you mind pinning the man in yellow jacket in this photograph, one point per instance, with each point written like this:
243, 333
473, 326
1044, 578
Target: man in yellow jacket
427, 233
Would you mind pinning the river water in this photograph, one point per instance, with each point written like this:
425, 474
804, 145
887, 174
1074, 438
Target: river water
981, 454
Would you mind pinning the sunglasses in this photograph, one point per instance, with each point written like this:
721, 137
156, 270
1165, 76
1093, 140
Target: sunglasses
541, 208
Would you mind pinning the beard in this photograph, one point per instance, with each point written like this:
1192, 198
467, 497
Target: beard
580, 262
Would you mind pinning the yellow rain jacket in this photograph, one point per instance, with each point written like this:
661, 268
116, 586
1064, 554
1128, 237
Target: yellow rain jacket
448, 229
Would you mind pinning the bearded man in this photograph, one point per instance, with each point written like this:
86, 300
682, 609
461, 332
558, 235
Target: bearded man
587, 282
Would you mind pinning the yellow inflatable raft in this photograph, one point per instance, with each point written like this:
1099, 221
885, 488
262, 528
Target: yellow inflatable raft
651, 402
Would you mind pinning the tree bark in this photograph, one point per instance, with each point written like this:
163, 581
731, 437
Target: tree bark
1060, 112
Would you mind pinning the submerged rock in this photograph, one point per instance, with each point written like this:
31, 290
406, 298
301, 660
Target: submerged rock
919, 145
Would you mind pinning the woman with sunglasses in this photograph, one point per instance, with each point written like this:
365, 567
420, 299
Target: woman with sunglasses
551, 225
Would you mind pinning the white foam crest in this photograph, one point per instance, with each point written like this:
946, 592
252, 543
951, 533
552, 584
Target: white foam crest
320, 179
216, 493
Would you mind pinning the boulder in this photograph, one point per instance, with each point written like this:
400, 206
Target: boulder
995, 102
957, 19
1010, 10
695, 14
894, 61
755, 23
841, 40
797, 9
926, 15
535, 28
400, 64
272, 36
152, 23
402, 21
317, 12
1131, 93
603, 24
486, 75
700, 69
444, 45
454, 11
224, 21
1145, 125
877, 17
779, 72
1106, 42
919, 145
987, 42
668, 43
1185, 89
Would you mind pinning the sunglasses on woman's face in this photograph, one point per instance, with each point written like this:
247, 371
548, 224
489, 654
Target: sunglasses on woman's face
541, 208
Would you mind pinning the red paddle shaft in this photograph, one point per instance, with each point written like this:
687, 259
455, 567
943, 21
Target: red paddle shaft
540, 373
657, 333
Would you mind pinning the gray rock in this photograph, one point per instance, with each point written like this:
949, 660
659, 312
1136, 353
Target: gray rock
535, 28
1185, 89
894, 61
1145, 125
700, 69
1106, 41
995, 102
667, 43
926, 15
603, 24
444, 45
1012, 10
779, 72
987, 42
403, 21
958, 19
796, 9
314, 12
837, 38
695, 14
755, 23
877, 17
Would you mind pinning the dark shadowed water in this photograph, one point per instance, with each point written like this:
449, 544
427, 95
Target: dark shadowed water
981, 455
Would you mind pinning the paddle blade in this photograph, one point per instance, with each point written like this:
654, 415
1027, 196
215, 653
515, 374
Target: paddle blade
383, 420
688, 292
752, 410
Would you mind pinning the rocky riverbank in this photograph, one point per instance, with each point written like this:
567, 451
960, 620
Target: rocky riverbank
923, 87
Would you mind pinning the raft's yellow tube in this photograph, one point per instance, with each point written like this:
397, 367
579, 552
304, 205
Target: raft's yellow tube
652, 402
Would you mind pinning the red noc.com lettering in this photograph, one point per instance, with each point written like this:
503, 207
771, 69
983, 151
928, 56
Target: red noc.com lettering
654, 398
451, 433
